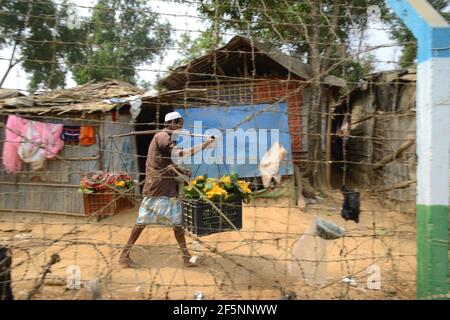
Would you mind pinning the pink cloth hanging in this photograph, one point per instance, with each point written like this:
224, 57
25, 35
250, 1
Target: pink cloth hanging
22, 136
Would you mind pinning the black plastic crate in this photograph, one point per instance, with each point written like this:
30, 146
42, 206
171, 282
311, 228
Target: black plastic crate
201, 219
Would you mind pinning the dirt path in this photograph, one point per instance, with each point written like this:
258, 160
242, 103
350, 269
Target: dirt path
254, 266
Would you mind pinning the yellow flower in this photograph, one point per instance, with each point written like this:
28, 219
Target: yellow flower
226, 179
216, 191
120, 183
244, 186
200, 178
192, 183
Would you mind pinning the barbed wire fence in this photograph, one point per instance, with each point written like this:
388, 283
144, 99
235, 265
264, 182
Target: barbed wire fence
367, 137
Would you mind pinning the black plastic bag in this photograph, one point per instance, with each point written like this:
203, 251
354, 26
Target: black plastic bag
351, 206
5, 274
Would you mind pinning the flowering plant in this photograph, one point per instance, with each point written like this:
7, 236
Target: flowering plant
227, 188
104, 181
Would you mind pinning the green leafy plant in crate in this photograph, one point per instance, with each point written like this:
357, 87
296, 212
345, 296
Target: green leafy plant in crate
225, 189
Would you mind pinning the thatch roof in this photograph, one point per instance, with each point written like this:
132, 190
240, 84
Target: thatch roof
88, 98
223, 63
236, 60
9, 93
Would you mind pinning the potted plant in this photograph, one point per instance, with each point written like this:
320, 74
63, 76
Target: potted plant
226, 193
106, 193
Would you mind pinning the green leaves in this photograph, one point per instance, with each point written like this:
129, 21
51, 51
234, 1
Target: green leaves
112, 42
192, 48
402, 35
291, 26
32, 29
122, 35
208, 186
227, 188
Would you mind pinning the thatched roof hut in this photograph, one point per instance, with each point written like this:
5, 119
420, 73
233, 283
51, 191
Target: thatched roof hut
104, 106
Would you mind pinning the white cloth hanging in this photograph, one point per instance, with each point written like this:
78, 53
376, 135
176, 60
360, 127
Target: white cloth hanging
37, 139
270, 164
134, 101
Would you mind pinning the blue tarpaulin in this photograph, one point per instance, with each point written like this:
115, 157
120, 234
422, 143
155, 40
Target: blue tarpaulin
237, 150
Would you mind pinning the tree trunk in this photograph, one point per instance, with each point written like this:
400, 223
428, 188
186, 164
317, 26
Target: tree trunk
315, 164
319, 61
10, 66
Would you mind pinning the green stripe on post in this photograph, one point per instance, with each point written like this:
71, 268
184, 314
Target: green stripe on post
432, 250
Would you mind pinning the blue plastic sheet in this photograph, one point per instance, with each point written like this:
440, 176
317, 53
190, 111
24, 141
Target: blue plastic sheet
235, 150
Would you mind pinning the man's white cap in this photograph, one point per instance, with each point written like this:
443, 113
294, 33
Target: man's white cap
172, 116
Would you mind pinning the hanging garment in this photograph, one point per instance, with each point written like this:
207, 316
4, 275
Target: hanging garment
270, 164
114, 115
344, 130
41, 141
29, 151
87, 135
135, 106
71, 135
13, 129
134, 101
30, 141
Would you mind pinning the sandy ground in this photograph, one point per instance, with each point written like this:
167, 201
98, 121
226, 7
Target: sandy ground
252, 264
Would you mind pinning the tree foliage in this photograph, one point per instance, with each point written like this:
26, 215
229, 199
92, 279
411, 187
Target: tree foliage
402, 35
291, 25
190, 48
31, 30
319, 32
112, 42
120, 36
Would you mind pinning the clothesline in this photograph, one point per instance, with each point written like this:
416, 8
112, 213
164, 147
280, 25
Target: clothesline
33, 142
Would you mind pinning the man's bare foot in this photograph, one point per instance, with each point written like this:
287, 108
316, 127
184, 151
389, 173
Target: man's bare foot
126, 262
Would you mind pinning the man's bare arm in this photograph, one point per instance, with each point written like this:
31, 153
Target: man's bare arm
197, 148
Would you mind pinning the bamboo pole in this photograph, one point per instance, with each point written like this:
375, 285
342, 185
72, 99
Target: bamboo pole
46, 212
400, 185
82, 159
328, 143
394, 155
148, 132
40, 184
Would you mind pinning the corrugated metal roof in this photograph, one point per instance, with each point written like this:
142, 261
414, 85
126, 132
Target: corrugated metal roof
376, 78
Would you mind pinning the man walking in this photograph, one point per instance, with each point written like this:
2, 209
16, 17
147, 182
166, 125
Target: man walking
160, 204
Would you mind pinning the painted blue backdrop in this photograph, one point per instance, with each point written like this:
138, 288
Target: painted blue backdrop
221, 118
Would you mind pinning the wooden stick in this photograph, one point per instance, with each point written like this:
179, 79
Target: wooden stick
328, 142
300, 200
41, 184
398, 186
146, 132
362, 119
46, 270
82, 159
46, 212
394, 155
